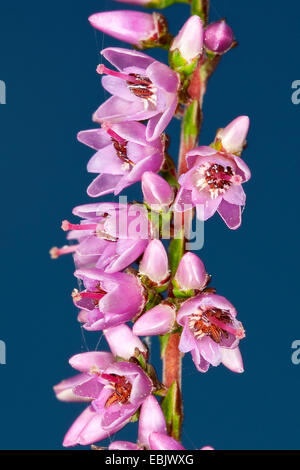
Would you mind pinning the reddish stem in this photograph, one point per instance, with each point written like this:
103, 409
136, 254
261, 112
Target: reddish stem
172, 362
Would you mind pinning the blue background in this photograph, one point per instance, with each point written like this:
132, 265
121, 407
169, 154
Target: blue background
48, 57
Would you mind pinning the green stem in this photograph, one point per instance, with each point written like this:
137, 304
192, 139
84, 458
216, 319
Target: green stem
191, 125
164, 3
200, 8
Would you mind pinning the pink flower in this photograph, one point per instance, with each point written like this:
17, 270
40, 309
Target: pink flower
116, 391
158, 194
138, 28
189, 41
155, 263
218, 37
123, 156
106, 236
103, 298
214, 180
191, 273
209, 327
143, 88
156, 321
151, 420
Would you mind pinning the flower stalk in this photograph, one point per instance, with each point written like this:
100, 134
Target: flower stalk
130, 285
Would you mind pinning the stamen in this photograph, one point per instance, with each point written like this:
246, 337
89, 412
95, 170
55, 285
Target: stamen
66, 226
216, 178
122, 389
101, 69
65, 250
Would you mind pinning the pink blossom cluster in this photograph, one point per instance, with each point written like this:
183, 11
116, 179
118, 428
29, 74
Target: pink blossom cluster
128, 288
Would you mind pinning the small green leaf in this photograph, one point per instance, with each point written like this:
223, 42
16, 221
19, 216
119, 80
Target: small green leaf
183, 294
141, 358
163, 343
191, 121
134, 418
172, 409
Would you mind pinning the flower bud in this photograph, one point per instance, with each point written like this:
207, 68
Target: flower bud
123, 342
155, 264
191, 273
187, 46
138, 28
233, 137
157, 192
218, 37
157, 321
151, 420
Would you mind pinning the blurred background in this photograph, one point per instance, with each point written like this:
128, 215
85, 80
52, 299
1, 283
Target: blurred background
48, 57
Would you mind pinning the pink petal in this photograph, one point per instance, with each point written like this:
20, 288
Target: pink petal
94, 138
103, 184
159, 441
124, 58
232, 359
86, 361
231, 214
235, 195
123, 342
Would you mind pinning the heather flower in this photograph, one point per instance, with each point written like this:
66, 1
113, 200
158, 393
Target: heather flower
106, 236
214, 180
142, 88
157, 192
209, 326
138, 28
157, 321
191, 273
151, 420
103, 298
123, 156
116, 391
188, 44
218, 37
155, 263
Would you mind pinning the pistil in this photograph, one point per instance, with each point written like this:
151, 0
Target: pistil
131, 78
56, 252
66, 226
